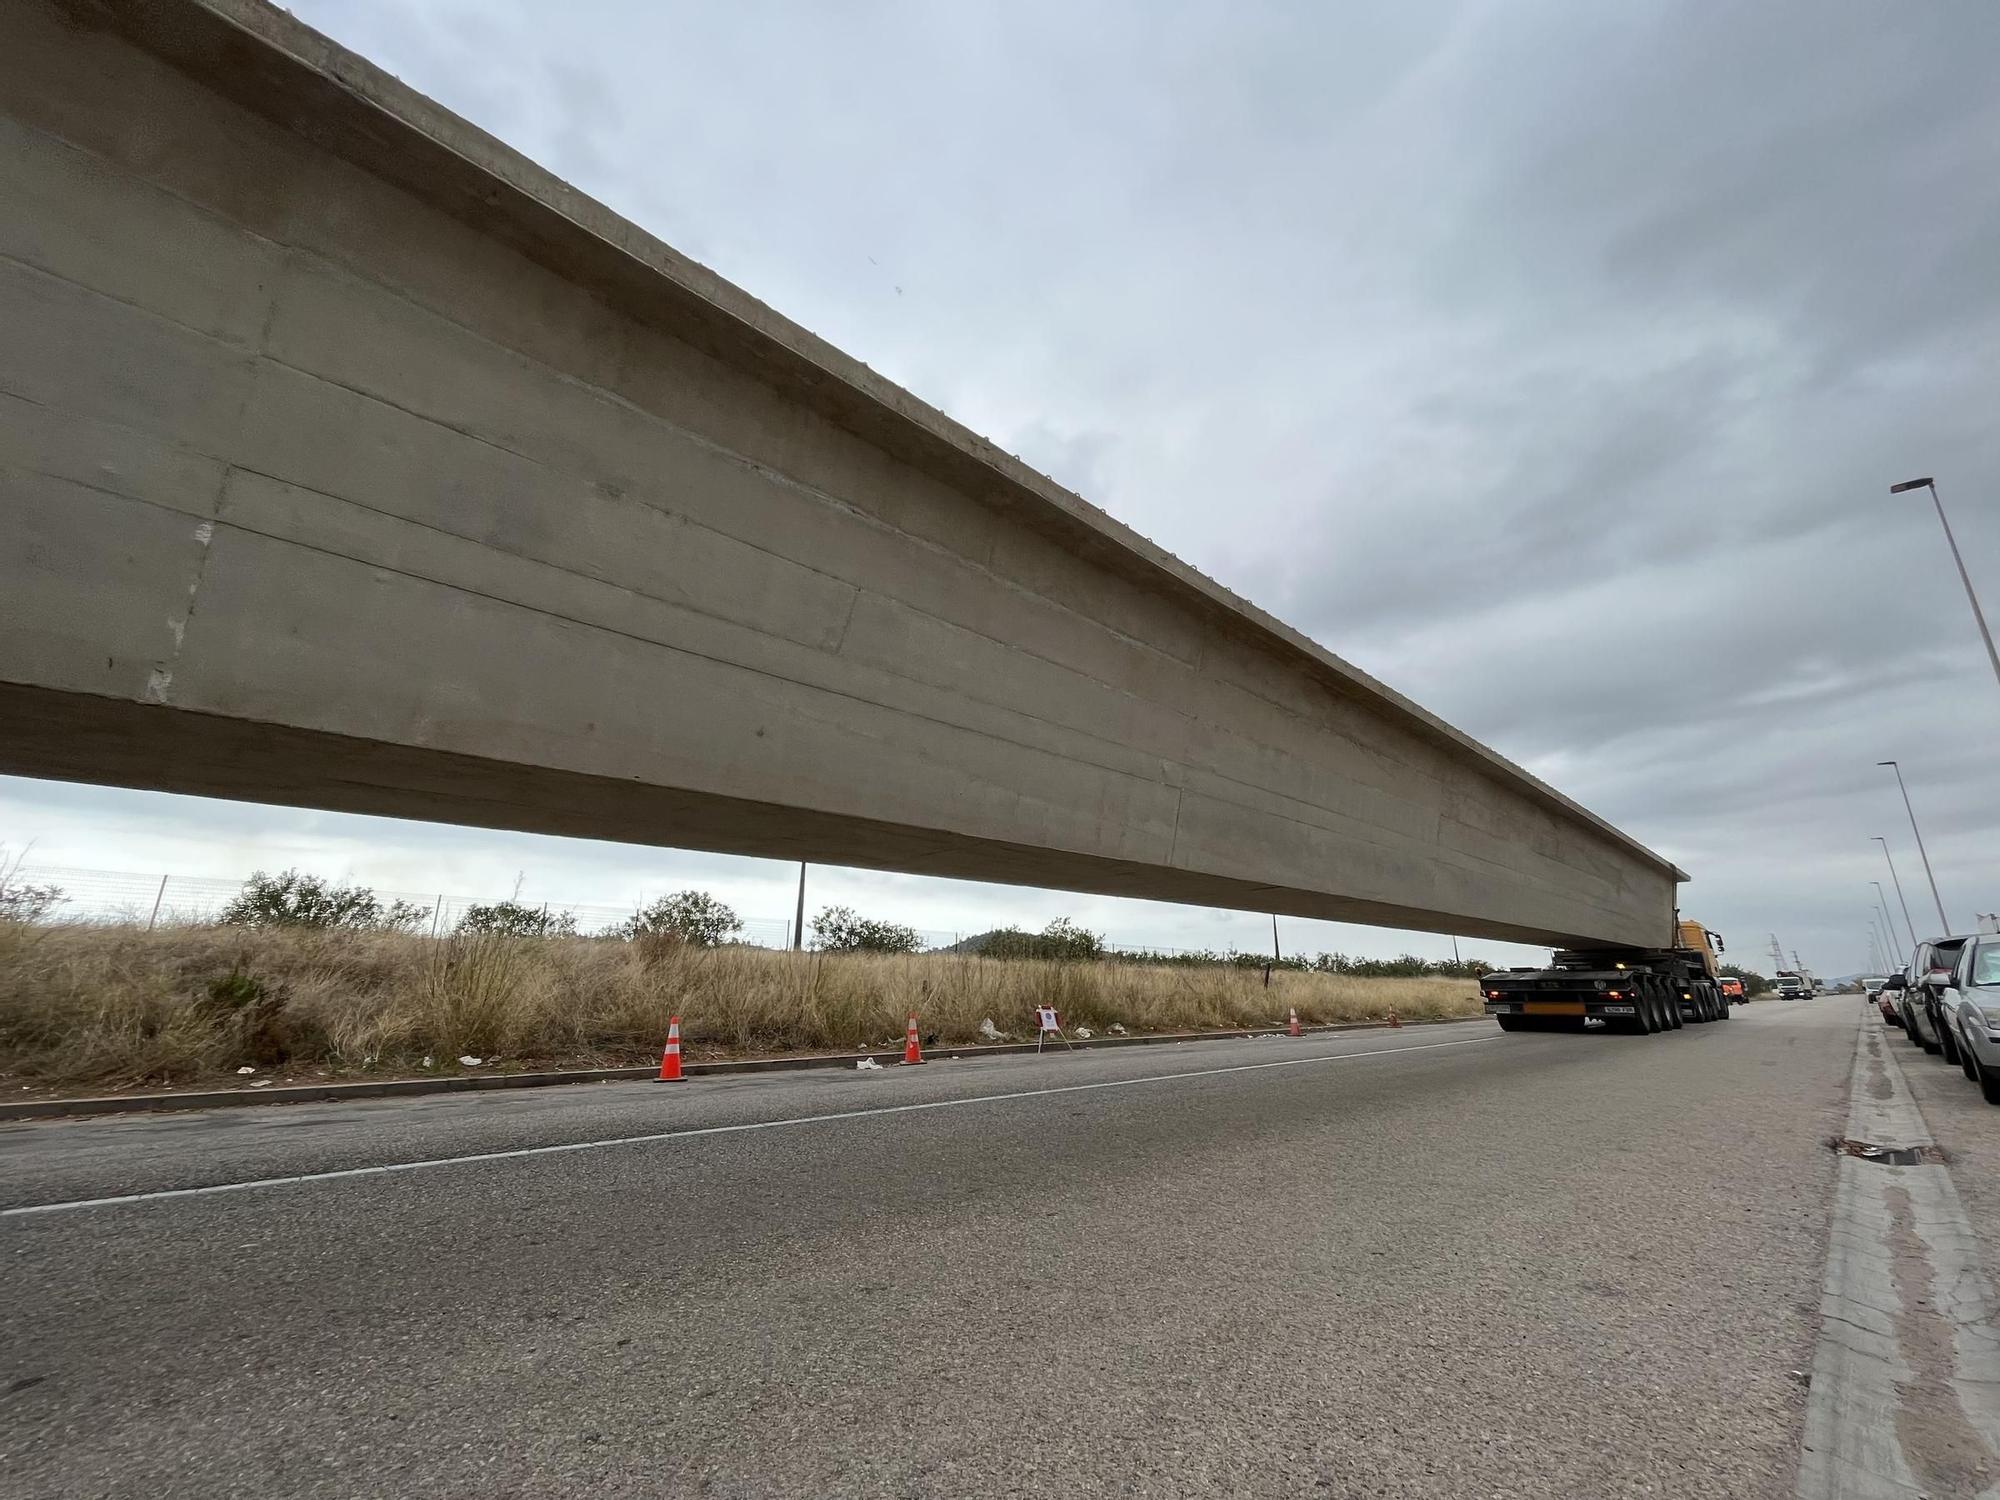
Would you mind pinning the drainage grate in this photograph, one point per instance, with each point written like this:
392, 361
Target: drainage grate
1891, 1156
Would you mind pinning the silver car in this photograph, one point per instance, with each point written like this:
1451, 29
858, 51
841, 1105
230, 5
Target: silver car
1923, 1002
1972, 1002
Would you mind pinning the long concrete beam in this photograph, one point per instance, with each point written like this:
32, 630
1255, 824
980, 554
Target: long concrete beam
350, 460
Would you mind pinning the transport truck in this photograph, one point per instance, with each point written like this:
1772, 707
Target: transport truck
1636, 990
1795, 984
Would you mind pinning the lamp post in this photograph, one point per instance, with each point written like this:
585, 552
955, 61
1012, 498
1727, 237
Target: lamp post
1944, 922
1964, 577
1897, 881
1889, 922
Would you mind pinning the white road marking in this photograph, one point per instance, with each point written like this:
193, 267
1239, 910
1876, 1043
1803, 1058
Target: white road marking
690, 1134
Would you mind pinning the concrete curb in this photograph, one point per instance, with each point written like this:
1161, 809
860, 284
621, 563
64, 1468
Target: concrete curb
318, 1093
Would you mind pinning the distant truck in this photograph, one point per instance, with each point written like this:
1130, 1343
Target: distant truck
1794, 984
1636, 990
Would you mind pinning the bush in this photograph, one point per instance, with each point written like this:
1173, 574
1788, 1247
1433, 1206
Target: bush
692, 917
295, 900
512, 919
838, 929
22, 902
1062, 941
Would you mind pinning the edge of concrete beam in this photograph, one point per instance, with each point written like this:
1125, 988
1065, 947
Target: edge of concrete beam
275, 64
463, 1083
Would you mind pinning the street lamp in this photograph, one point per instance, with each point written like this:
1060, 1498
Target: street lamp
1963, 577
1897, 881
1943, 921
1895, 938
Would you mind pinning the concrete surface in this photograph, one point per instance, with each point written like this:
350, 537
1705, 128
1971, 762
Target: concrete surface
1905, 1399
355, 462
1442, 1265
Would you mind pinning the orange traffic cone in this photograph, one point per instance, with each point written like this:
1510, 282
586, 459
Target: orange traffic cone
912, 1053
670, 1060
1393, 1022
1293, 1028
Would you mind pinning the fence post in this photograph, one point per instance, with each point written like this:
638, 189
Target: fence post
437, 915
158, 896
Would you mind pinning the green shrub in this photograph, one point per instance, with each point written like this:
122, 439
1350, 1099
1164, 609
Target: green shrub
297, 900
512, 919
692, 917
839, 929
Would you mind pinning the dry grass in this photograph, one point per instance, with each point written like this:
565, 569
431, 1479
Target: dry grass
115, 1006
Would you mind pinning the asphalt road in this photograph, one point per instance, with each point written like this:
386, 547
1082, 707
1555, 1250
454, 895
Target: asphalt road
1437, 1261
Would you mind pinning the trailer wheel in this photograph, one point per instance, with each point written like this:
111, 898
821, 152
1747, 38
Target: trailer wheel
1512, 1023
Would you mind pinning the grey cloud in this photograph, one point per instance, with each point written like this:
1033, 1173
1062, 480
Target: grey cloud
1550, 359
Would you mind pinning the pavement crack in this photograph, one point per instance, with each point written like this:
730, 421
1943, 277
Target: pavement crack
1938, 1439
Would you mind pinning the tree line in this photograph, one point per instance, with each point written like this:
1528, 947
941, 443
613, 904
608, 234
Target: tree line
296, 899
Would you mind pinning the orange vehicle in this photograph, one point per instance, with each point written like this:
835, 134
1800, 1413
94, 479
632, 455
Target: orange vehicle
1732, 989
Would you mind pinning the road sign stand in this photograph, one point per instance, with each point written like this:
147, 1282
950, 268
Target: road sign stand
1049, 1024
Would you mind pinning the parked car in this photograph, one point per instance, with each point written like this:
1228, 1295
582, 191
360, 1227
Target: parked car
1923, 1004
1889, 999
1732, 989
1972, 1007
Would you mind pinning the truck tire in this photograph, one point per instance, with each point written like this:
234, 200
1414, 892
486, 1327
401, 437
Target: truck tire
1512, 1023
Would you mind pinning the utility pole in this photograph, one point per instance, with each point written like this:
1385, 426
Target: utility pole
799, 916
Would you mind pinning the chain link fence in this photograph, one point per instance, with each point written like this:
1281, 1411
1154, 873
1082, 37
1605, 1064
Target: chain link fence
135, 898
138, 899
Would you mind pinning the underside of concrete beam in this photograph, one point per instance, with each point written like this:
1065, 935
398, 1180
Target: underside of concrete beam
361, 464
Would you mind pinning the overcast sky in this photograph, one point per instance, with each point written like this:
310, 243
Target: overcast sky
1549, 359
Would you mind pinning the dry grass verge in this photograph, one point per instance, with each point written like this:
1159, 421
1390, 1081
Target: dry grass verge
92, 1006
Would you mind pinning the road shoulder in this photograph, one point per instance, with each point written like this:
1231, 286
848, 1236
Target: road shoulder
1905, 1396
